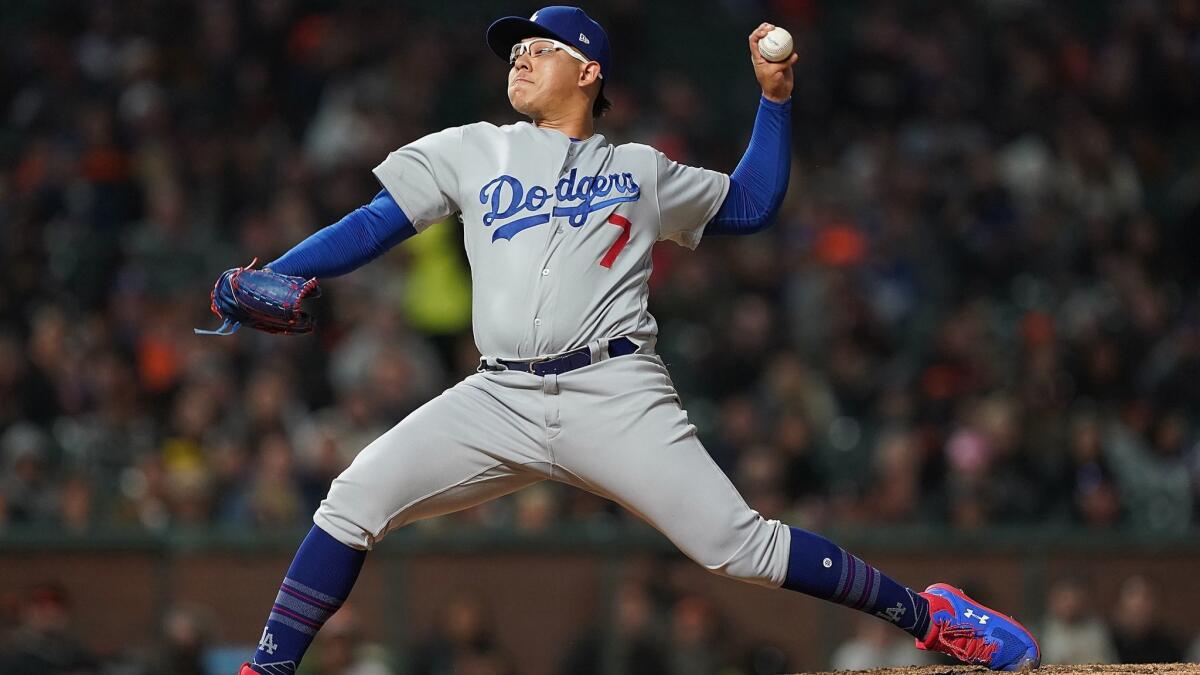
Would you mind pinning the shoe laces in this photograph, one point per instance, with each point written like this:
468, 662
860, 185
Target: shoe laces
964, 642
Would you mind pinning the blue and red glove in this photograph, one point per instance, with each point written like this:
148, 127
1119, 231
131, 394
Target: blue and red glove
263, 300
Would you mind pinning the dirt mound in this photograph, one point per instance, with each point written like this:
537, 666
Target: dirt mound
1140, 669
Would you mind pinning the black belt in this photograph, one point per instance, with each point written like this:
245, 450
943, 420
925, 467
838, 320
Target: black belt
570, 361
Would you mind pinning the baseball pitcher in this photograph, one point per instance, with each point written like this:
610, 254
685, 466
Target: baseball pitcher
558, 226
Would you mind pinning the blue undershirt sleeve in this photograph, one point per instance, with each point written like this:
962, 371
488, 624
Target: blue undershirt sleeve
363, 235
758, 184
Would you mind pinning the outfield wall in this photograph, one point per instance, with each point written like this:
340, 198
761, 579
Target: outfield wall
544, 590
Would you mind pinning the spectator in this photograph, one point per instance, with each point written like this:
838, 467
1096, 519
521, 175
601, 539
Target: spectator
1073, 632
640, 648
26, 484
186, 634
1138, 634
1152, 472
76, 503
1095, 500
897, 478
536, 508
696, 644
463, 641
275, 496
343, 650
43, 643
875, 645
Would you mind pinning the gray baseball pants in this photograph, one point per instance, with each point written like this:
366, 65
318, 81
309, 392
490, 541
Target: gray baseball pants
614, 427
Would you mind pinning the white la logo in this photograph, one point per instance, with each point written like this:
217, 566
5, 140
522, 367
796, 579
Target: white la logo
267, 643
893, 614
982, 618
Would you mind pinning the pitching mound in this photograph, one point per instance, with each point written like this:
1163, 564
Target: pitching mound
1146, 669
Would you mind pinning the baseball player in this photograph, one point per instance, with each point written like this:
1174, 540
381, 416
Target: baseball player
558, 226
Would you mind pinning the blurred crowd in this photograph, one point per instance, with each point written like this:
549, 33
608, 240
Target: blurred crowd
656, 630
979, 305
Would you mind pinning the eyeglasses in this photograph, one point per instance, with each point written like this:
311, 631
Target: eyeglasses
543, 46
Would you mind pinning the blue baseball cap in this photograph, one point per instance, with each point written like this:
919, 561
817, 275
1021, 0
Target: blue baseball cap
565, 24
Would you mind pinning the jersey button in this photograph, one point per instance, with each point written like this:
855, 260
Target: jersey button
537, 322
546, 271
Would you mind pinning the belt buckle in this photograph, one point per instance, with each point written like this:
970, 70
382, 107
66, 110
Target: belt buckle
532, 363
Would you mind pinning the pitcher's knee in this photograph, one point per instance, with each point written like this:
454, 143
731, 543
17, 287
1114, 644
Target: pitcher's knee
761, 558
343, 527
351, 519
350, 514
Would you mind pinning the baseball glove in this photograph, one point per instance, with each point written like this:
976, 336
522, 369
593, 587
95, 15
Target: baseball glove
261, 299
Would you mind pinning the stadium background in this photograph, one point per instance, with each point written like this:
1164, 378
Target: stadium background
969, 349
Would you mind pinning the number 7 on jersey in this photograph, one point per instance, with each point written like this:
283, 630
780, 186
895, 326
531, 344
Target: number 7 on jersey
622, 239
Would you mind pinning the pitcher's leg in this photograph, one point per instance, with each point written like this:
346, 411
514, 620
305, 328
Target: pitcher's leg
624, 436
640, 450
467, 446
317, 583
430, 464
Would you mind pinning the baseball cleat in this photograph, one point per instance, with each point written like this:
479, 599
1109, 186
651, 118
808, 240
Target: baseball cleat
975, 634
281, 668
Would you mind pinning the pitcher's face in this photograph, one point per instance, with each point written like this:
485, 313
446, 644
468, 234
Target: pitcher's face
544, 74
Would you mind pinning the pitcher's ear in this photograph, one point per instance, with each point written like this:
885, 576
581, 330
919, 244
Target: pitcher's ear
589, 73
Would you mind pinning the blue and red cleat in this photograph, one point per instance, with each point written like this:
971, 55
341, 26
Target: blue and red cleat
975, 634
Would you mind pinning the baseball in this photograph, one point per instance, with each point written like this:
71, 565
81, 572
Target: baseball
776, 46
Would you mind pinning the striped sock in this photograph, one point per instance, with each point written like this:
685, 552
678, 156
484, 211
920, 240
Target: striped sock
321, 576
820, 568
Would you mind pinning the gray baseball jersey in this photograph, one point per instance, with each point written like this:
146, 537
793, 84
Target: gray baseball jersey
558, 234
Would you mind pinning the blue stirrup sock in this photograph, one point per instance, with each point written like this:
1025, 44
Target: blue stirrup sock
318, 582
822, 569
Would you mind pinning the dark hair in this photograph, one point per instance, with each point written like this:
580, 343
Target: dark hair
601, 105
